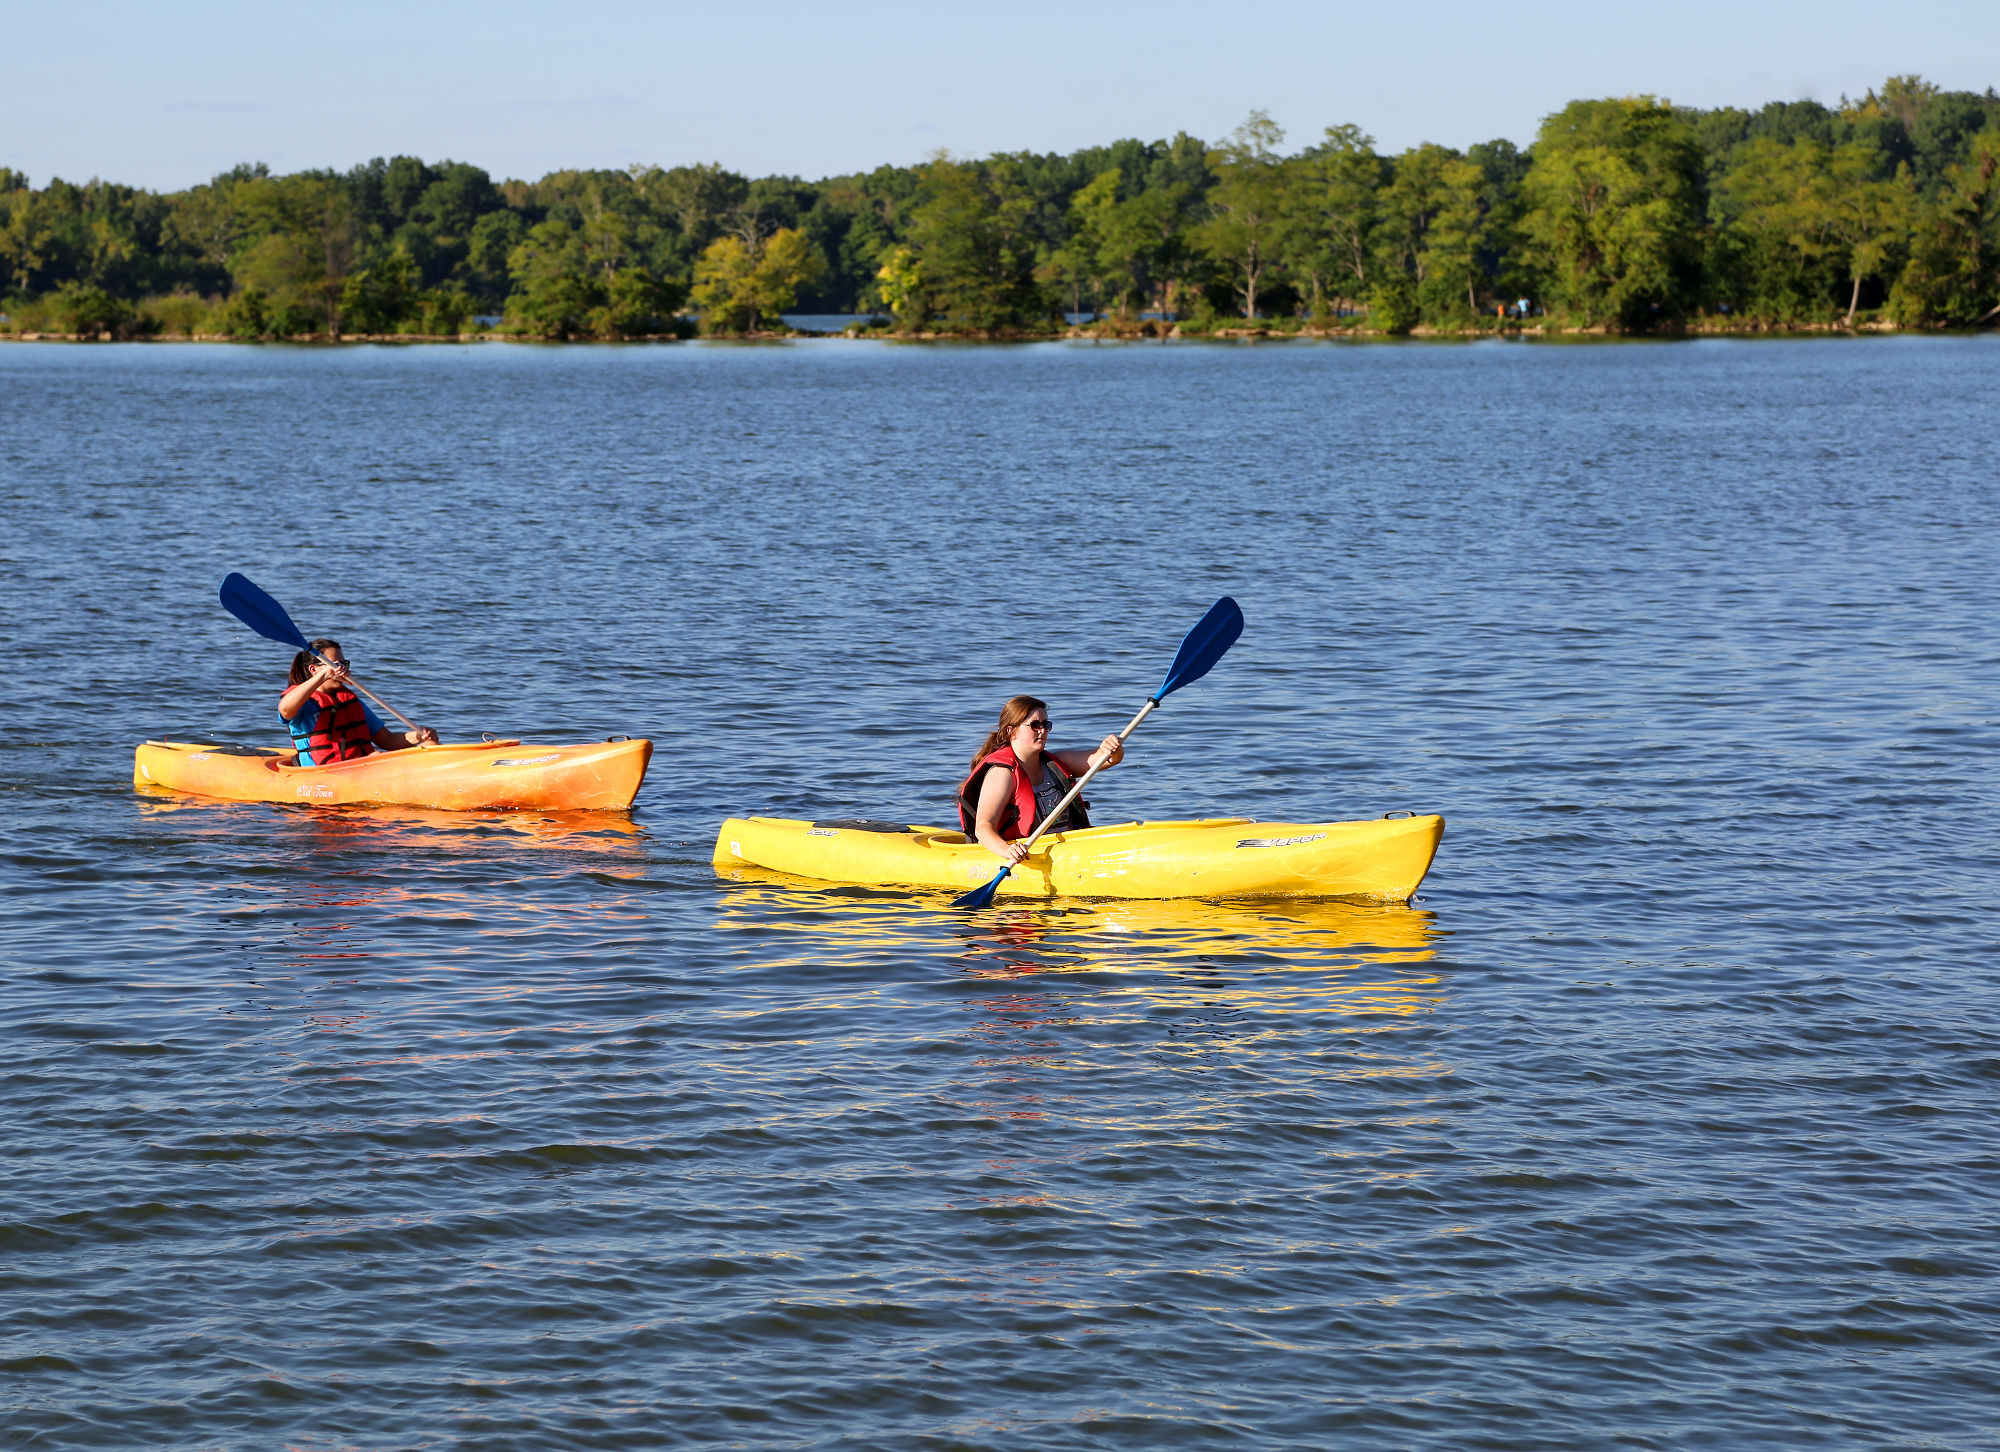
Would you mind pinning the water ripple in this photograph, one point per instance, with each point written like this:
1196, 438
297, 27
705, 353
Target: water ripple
1661, 1120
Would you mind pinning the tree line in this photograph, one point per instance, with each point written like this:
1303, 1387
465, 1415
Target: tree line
1629, 214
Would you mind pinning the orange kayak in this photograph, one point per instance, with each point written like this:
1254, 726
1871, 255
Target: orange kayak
462, 776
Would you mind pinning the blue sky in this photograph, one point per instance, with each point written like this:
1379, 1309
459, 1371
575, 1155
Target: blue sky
165, 96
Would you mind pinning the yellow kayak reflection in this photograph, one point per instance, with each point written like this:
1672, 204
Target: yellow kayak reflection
1298, 954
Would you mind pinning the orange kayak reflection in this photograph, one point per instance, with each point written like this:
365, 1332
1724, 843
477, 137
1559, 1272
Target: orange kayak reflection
606, 832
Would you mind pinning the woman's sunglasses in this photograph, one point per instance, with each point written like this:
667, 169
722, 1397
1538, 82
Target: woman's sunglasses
1036, 725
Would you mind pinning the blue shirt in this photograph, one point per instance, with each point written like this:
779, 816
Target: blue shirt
301, 726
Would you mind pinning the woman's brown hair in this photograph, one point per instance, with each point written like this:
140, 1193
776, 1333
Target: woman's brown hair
1017, 710
303, 664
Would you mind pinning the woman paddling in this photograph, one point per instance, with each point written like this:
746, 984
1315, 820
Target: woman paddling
328, 721
1016, 780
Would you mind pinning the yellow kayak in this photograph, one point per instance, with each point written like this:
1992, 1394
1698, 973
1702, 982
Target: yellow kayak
468, 776
1378, 861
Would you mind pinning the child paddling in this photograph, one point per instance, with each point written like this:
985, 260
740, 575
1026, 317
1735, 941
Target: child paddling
328, 721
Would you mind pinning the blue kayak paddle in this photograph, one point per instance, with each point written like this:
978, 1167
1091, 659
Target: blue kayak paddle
268, 618
1213, 634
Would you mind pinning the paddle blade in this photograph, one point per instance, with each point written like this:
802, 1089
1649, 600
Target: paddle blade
1212, 635
982, 895
260, 612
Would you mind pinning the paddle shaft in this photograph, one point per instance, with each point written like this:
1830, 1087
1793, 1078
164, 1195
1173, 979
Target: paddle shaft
1084, 780
369, 694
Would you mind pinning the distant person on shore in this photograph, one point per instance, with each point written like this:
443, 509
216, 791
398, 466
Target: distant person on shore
1016, 780
328, 721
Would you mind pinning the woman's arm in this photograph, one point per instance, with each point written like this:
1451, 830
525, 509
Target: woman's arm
996, 789
1110, 750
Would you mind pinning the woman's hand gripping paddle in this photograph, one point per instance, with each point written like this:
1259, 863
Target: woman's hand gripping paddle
268, 618
1213, 634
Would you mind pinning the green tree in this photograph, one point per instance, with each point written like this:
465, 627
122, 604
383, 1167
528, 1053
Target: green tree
1780, 199
554, 289
1614, 219
27, 234
246, 315
304, 245
972, 231
1953, 275
1332, 206
1081, 260
494, 238
1503, 166
1811, 215
90, 311
1903, 99
636, 303
738, 283
900, 285
1870, 215
205, 222
1431, 228
608, 238
700, 198
379, 299
1143, 243
1247, 207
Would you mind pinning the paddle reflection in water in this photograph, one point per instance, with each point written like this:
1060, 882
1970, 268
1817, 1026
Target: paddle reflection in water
307, 964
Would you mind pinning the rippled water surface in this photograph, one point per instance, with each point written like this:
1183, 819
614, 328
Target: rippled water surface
1664, 1118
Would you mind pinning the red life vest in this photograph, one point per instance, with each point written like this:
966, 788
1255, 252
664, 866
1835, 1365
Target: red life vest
1022, 808
340, 732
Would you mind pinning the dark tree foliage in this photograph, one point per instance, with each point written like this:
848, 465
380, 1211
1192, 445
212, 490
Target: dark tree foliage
1942, 131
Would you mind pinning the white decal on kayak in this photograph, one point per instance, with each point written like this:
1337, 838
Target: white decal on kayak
145, 773
523, 760
198, 756
318, 789
821, 832
1278, 841
737, 848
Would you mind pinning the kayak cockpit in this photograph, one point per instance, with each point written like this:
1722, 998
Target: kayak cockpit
433, 752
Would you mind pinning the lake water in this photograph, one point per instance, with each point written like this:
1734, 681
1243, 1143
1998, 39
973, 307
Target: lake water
1665, 1118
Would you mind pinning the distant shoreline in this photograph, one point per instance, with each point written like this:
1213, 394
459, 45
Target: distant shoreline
1626, 216
1235, 332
